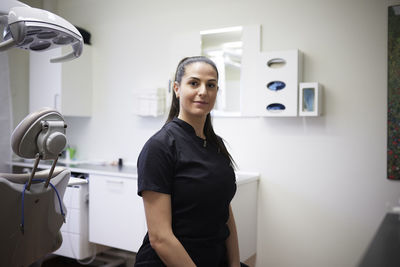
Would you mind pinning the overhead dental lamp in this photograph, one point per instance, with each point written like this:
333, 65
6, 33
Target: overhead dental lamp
37, 30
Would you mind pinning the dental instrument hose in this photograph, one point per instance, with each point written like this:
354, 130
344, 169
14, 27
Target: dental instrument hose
23, 197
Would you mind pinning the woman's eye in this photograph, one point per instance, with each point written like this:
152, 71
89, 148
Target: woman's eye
211, 85
194, 83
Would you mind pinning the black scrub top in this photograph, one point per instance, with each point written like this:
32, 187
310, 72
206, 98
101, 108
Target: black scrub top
201, 182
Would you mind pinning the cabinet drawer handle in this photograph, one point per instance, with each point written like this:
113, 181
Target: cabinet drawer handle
56, 96
115, 182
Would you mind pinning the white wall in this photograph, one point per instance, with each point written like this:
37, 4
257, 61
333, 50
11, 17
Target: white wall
323, 188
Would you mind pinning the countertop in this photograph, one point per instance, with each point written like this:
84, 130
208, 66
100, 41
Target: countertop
101, 169
124, 171
385, 247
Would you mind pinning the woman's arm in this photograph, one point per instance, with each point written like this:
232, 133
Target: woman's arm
157, 207
232, 244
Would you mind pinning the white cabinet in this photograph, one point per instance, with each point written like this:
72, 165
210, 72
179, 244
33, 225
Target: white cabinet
244, 207
66, 86
116, 213
75, 231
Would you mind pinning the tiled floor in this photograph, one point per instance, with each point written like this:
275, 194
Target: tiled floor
114, 257
62, 262
66, 262
58, 261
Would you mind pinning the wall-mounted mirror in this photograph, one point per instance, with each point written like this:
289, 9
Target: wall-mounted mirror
235, 50
225, 47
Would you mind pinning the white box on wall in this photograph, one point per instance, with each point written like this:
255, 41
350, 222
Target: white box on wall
271, 68
151, 103
310, 100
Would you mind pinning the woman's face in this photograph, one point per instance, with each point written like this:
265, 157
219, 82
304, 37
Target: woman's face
197, 91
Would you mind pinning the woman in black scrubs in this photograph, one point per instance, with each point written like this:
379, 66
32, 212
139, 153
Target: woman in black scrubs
186, 179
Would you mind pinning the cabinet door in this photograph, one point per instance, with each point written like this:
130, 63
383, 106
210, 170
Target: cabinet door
116, 213
44, 80
77, 84
244, 208
65, 86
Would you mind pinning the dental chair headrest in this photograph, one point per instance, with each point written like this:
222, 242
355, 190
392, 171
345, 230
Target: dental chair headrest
41, 132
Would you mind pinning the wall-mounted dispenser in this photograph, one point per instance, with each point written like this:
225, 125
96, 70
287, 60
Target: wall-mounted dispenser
281, 75
310, 100
272, 84
150, 103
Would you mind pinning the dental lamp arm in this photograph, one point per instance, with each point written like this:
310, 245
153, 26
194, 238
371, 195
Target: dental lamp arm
6, 5
10, 42
5, 45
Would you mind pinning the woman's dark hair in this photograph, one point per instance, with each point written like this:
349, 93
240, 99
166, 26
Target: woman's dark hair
174, 110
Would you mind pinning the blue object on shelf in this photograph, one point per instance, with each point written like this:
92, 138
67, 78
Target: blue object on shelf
276, 85
276, 107
308, 99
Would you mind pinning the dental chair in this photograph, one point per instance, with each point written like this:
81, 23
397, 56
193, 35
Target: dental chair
31, 207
